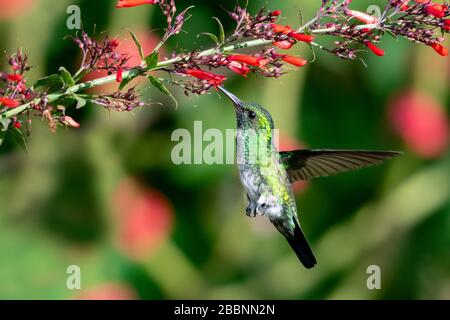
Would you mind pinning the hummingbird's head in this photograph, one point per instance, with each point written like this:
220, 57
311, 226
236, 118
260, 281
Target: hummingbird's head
250, 115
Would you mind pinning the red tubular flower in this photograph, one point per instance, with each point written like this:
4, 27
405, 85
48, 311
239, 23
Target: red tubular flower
363, 17
281, 29
239, 68
439, 48
17, 125
275, 13
379, 52
114, 43
9, 103
15, 77
296, 61
250, 60
302, 37
134, 3
437, 10
214, 79
119, 76
284, 44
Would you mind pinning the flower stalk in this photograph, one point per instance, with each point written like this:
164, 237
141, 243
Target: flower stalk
416, 21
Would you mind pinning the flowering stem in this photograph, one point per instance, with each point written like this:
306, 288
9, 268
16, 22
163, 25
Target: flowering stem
127, 74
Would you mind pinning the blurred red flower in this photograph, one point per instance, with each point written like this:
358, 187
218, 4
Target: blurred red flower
421, 122
13, 8
109, 291
145, 218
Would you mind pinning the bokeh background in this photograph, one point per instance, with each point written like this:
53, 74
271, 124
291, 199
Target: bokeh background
108, 198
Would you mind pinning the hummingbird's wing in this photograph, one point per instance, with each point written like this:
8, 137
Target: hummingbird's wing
306, 164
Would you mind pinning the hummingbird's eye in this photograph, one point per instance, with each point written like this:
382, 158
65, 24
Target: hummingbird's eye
251, 115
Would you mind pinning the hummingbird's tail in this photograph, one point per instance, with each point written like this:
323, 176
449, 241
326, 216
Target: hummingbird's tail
301, 247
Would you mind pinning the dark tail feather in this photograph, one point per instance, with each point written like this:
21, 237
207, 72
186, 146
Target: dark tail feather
301, 247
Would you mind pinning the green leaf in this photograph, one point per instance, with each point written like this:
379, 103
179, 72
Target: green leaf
4, 123
66, 76
138, 45
158, 84
221, 30
151, 60
213, 37
161, 87
2, 137
81, 102
18, 135
389, 32
51, 83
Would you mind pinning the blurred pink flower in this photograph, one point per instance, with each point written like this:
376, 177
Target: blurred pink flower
109, 291
421, 122
10, 9
145, 218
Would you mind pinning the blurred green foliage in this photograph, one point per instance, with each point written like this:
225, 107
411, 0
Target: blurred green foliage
58, 204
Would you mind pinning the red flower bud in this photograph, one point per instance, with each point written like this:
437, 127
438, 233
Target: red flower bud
437, 10
284, 44
296, 61
302, 37
275, 13
114, 43
17, 125
250, 60
15, 77
379, 52
119, 76
281, 29
404, 6
439, 48
9, 103
134, 3
446, 25
214, 79
239, 68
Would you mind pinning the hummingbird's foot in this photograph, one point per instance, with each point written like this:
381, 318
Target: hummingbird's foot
250, 211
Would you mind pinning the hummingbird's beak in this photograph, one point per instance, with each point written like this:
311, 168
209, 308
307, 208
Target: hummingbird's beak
237, 103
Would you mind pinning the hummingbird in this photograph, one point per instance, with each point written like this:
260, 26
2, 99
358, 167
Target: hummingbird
267, 181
